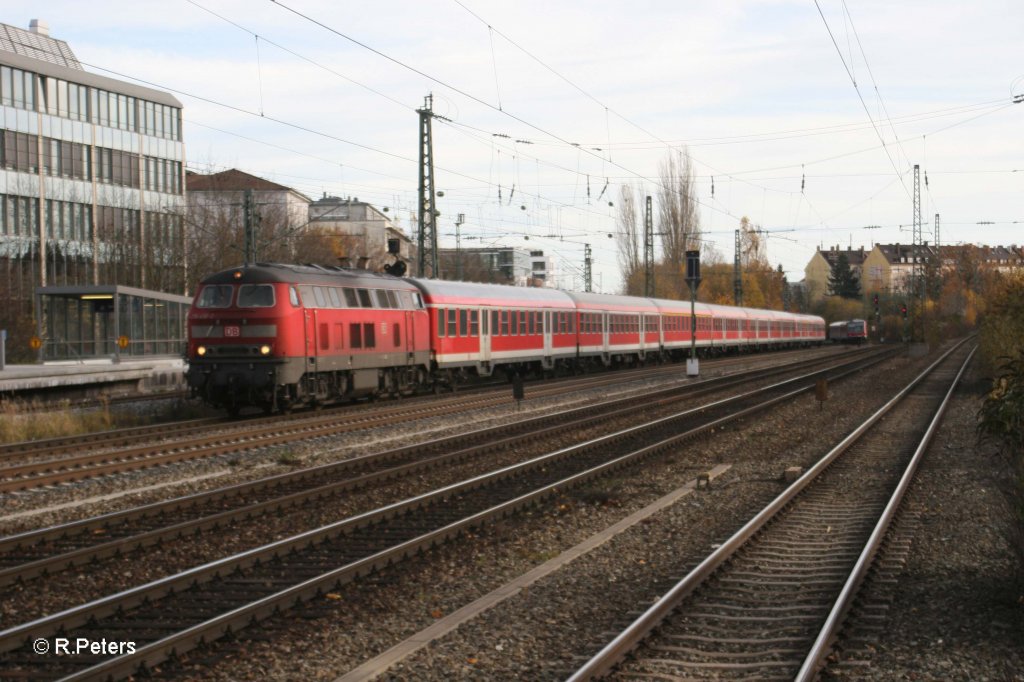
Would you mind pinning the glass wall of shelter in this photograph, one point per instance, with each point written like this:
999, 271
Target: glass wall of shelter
109, 321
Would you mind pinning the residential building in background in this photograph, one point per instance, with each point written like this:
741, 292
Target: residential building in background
498, 265
544, 274
91, 174
368, 232
819, 268
889, 268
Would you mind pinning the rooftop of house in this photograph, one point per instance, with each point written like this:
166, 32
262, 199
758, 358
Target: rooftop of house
231, 180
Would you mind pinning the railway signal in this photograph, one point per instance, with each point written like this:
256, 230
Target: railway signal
903, 309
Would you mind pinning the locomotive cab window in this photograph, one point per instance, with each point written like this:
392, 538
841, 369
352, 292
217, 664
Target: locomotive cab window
256, 296
215, 296
293, 296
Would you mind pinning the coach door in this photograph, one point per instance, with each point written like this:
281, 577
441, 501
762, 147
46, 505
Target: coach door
547, 336
311, 354
410, 338
485, 335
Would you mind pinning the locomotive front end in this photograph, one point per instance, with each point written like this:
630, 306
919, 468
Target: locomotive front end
237, 344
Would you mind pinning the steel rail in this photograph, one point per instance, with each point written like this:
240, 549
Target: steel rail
822, 646
624, 643
261, 433
456, 448
127, 436
152, 653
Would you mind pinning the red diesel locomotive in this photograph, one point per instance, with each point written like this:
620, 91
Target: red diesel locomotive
276, 336
281, 335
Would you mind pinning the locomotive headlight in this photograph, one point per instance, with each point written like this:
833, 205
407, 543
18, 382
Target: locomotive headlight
201, 351
264, 349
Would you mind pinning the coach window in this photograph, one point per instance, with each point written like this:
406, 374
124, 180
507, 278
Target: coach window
452, 323
335, 295
484, 317
495, 323
463, 322
369, 332
364, 298
355, 334
514, 325
531, 322
504, 323
440, 323
474, 323
293, 296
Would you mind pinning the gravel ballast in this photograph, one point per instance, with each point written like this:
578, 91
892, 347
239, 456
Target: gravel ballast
543, 632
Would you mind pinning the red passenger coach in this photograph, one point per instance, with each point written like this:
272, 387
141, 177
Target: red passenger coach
616, 329
477, 328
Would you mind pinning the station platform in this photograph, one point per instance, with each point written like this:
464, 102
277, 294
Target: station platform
92, 378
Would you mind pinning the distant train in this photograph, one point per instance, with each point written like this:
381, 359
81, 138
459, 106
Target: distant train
848, 331
278, 336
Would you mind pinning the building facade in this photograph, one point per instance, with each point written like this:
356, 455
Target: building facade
890, 267
91, 174
369, 235
817, 271
544, 274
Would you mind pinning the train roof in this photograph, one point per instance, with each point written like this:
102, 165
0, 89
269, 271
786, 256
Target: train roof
440, 292
267, 273
666, 305
589, 301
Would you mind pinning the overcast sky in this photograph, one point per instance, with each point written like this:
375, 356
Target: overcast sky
554, 105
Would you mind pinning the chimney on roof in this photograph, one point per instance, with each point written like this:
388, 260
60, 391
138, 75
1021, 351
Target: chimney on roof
39, 26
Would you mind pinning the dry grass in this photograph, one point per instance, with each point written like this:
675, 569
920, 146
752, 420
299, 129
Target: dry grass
20, 421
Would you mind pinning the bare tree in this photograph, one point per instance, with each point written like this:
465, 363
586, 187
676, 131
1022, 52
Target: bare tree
629, 236
678, 217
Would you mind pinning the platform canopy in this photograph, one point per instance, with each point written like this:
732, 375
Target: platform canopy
109, 321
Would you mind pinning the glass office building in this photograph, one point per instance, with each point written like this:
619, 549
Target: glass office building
91, 176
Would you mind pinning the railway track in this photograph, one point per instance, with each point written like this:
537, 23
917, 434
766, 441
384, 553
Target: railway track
143, 447
769, 602
176, 613
47, 551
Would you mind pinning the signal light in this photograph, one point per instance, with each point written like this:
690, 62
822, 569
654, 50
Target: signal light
903, 309
876, 300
